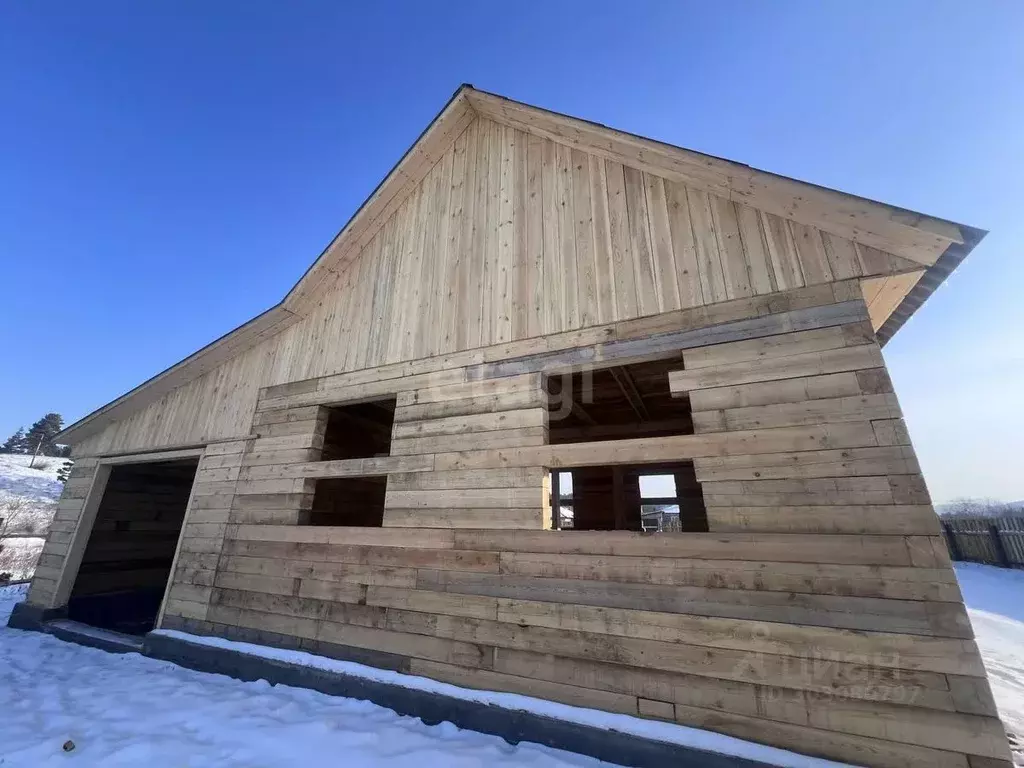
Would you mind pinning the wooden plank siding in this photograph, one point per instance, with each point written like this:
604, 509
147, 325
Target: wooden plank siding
819, 613
574, 240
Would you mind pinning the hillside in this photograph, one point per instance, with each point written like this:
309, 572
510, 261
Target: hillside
980, 508
28, 497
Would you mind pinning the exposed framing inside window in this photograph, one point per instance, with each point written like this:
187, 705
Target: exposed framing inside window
659, 498
616, 403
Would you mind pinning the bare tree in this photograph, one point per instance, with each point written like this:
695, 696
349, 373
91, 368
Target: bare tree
14, 513
20, 518
17, 561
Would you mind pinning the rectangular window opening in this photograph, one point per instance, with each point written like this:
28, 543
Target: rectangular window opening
351, 501
616, 403
655, 498
359, 431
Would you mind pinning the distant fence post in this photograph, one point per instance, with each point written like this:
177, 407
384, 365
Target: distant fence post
997, 545
951, 542
993, 540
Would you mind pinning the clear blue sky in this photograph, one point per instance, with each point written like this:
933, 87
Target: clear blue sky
169, 169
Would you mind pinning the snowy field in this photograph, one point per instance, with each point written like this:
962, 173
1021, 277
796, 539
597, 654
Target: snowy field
995, 602
28, 496
17, 479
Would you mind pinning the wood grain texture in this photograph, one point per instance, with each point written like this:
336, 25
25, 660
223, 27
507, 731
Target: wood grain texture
507, 236
819, 612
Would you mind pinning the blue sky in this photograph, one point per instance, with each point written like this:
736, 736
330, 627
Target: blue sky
169, 169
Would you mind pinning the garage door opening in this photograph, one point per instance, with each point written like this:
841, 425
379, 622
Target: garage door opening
128, 556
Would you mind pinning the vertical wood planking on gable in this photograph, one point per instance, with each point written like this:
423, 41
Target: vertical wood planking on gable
519, 280
346, 287
398, 241
842, 257
665, 281
709, 262
350, 311
875, 262
359, 340
586, 264
377, 264
623, 279
467, 238
781, 249
648, 298
486, 232
755, 249
535, 263
320, 328
408, 292
382, 295
569, 298
684, 249
489, 321
552, 285
811, 253
501, 295
453, 287
603, 253
346, 311
419, 258
478, 242
512, 235
730, 248
436, 268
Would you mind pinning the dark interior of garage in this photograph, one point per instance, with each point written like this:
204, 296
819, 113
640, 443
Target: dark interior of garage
130, 550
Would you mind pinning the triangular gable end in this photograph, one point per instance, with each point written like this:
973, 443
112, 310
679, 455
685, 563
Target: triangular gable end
812, 233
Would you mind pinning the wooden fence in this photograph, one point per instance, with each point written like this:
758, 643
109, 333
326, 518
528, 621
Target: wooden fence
993, 540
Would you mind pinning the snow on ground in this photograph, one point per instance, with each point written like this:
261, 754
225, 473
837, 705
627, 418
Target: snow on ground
28, 497
660, 731
17, 479
19, 556
129, 710
995, 602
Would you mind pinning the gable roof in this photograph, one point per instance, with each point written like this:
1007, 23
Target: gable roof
936, 245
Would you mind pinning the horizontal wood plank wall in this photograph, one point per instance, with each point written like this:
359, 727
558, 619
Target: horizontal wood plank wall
66, 519
510, 236
202, 534
820, 613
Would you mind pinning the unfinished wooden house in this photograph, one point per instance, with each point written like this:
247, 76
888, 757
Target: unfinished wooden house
571, 413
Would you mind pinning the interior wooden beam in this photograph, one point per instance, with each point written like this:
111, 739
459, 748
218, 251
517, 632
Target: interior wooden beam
580, 413
565, 392
625, 381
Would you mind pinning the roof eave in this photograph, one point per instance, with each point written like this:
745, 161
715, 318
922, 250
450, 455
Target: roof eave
929, 282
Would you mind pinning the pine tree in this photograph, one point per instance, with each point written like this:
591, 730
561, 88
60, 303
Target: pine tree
40, 435
64, 471
15, 443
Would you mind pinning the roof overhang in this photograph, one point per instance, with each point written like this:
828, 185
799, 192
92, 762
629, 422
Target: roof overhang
927, 284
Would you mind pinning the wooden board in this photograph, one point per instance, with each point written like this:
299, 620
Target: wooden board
819, 611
